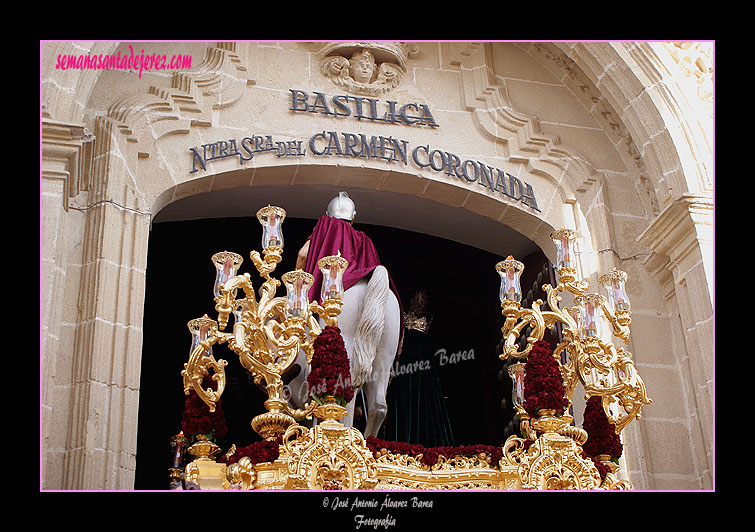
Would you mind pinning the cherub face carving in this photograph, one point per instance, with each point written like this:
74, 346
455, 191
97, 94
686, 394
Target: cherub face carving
362, 66
361, 73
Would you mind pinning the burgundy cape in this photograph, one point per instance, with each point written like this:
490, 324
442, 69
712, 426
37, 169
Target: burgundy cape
332, 235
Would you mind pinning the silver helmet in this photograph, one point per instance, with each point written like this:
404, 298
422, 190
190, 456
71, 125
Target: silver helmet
342, 207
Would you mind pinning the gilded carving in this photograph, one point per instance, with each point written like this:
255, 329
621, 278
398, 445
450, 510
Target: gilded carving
240, 476
328, 456
553, 462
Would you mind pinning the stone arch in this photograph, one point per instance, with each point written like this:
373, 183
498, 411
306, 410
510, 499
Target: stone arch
640, 83
402, 200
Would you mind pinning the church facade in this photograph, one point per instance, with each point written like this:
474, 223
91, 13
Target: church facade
491, 144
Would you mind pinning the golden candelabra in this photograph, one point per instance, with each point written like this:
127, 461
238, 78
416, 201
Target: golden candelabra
603, 369
267, 333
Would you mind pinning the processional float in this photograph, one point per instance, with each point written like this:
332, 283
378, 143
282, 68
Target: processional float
269, 331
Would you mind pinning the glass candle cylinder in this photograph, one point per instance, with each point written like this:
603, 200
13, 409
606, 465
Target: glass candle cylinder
298, 283
200, 329
516, 372
177, 445
271, 219
614, 284
226, 266
590, 316
332, 269
510, 271
564, 239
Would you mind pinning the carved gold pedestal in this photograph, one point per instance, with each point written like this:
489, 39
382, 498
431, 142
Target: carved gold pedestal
553, 461
204, 470
329, 456
206, 474
203, 448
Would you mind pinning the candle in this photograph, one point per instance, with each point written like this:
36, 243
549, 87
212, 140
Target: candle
614, 283
226, 266
590, 318
564, 241
510, 271
273, 234
177, 448
332, 269
271, 219
297, 285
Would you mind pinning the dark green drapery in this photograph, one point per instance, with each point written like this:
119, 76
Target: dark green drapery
416, 408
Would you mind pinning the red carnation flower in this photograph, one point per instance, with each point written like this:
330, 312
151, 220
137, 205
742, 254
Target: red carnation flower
331, 370
431, 455
257, 452
543, 385
197, 418
601, 435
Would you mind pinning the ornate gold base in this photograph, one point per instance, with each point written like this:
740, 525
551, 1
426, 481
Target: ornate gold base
206, 474
331, 456
204, 449
548, 422
270, 425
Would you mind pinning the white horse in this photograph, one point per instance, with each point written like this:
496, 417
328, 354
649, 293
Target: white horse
370, 324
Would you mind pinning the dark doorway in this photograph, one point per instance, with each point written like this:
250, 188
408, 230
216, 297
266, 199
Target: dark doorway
463, 290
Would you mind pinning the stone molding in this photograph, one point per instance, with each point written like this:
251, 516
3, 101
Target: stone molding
676, 236
67, 154
526, 144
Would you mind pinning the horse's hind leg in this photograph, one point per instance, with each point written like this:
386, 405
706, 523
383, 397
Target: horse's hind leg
351, 309
376, 386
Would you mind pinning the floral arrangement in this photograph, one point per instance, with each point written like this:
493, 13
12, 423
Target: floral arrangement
331, 370
257, 452
197, 418
603, 469
430, 456
543, 385
601, 435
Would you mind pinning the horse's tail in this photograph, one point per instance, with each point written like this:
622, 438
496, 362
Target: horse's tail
370, 326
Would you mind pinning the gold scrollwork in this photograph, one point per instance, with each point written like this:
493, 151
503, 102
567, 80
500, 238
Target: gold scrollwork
600, 367
201, 361
328, 456
266, 341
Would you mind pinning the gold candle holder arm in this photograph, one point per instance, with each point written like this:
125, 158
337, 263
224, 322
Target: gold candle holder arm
567, 280
328, 311
632, 396
226, 303
283, 336
517, 319
301, 413
568, 364
265, 266
198, 367
619, 322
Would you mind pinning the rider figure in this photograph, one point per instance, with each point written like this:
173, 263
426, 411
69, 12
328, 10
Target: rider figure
334, 232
